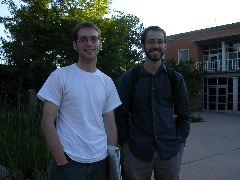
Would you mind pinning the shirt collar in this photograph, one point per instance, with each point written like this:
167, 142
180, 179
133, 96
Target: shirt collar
161, 68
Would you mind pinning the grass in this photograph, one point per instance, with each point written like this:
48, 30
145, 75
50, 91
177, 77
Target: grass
23, 149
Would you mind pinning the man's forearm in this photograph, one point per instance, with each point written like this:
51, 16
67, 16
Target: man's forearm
110, 128
54, 144
112, 137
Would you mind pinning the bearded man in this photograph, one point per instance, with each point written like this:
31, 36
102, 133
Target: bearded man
153, 120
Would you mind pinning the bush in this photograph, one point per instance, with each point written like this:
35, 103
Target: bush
196, 119
23, 150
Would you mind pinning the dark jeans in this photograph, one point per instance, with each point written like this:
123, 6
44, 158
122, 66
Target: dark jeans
78, 171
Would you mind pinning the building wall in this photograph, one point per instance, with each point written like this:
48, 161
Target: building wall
173, 46
189, 40
196, 42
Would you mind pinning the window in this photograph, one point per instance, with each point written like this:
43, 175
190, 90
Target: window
236, 47
183, 55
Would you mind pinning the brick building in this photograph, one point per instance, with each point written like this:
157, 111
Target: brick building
216, 51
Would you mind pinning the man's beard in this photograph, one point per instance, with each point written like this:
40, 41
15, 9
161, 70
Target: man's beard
152, 58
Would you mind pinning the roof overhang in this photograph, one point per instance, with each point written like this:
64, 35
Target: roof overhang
218, 39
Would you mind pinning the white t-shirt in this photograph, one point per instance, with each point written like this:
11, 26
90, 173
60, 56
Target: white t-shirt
82, 98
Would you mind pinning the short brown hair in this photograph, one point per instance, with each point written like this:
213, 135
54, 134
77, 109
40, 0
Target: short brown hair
152, 28
85, 25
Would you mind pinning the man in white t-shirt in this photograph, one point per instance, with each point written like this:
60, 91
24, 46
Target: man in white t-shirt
81, 100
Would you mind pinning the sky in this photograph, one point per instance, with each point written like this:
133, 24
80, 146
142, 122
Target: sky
174, 16
179, 16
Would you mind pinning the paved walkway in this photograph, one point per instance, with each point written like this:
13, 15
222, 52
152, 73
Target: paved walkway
212, 150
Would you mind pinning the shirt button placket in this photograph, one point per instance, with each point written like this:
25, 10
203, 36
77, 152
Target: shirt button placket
153, 111
154, 114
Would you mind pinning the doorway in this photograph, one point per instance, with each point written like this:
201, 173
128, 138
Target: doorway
217, 98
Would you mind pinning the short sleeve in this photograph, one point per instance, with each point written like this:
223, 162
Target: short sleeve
52, 89
113, 99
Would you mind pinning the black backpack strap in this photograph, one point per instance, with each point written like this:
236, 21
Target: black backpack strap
135, 74
173, 80
134, 77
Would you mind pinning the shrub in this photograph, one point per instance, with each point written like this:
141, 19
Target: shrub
23, 150
196, 119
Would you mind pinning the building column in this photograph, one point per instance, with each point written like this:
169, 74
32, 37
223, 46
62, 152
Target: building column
223, 55
235, 94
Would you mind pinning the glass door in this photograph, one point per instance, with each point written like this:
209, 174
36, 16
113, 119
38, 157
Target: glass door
222, 99
217, 98
212, 98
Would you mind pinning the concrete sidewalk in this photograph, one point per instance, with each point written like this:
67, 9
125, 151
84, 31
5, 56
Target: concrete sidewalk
212, 150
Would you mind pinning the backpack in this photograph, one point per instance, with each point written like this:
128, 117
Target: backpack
171, 75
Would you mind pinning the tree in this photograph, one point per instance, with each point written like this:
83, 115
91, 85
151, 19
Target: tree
41, 37
191, 75
121, 41
193, 78
40, 41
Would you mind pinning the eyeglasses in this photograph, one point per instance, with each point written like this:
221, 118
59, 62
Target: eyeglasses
85, 40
